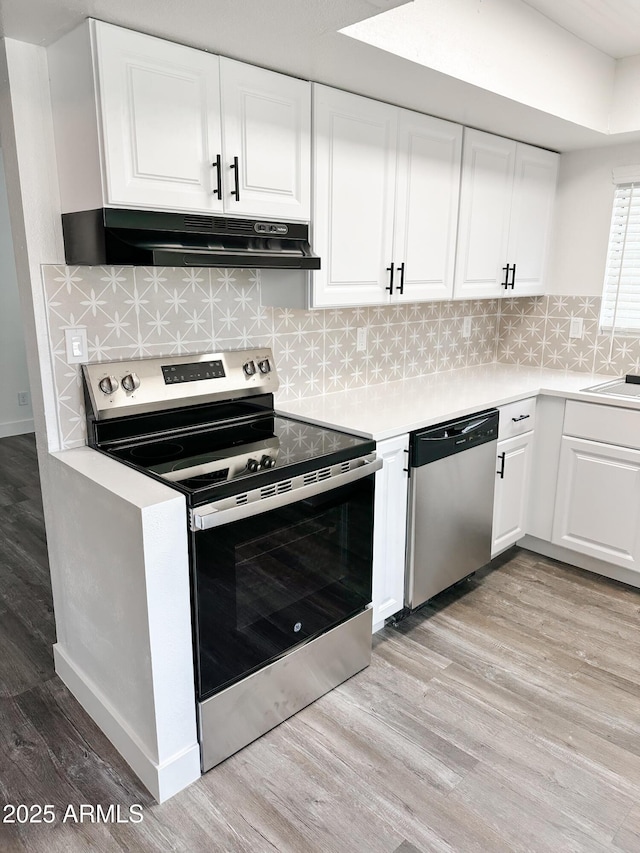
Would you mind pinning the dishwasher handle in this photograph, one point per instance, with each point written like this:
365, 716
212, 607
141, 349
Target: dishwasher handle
452, 437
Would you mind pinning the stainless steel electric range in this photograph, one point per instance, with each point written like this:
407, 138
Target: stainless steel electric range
280, 519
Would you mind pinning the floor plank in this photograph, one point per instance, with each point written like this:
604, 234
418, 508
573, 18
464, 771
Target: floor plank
502, 716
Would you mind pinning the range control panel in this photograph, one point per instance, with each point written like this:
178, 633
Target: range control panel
118, 388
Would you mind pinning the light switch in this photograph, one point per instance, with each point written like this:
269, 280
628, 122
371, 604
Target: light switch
576, 327
76, 345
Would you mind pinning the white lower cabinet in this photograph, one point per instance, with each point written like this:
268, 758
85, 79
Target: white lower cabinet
513, 473
390, 529
598, 501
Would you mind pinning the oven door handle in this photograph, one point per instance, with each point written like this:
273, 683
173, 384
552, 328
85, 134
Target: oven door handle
217, 514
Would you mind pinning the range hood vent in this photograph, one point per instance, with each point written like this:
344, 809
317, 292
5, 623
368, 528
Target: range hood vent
111, 236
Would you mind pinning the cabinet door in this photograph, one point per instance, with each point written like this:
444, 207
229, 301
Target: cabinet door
534, 190
160, 105
390, 529
598, 501
354, 189
512, 491
267, 126
485, 206
427, 192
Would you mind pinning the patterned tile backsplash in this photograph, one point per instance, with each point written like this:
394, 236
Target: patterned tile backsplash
133, 312
535, 331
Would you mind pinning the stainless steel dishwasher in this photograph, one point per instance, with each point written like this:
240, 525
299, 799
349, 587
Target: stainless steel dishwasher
452, 470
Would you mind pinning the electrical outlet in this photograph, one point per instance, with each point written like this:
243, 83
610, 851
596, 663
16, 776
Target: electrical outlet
361, 339
23, 398
76, 345
466, 327
576, 327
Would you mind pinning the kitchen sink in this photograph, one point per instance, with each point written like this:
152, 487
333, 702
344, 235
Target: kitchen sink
625, 386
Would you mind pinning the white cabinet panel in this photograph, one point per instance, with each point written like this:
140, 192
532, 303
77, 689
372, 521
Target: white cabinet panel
516, 418
506, 211
426, 204
267, 126
512, 491
354, 181
485, 205
598, 501
531, 218
160, 116
390, 529
608, 424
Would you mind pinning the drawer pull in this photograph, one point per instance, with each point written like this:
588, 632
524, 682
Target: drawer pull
520, 418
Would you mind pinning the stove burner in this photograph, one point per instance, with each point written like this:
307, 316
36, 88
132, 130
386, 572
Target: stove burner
157, 452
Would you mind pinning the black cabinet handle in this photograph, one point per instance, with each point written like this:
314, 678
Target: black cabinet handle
512, 285
218, 165
501, 457
505, 283
236, 169
400, 287
390, 269
520, 418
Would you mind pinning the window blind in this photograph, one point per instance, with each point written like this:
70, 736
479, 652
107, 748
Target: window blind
620, 311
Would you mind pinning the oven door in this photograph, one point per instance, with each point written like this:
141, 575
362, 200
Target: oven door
276, 572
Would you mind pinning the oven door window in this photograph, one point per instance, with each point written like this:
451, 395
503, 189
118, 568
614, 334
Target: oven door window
271, 581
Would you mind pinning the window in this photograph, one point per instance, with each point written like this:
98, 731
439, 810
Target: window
620, 311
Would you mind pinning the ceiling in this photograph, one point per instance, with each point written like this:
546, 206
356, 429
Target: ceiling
612, 26
302, 38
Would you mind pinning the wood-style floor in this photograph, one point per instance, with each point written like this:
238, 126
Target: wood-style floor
503, 717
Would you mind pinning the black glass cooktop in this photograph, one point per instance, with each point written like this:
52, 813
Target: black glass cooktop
217, 461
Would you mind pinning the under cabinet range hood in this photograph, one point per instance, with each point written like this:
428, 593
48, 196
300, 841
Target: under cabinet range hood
112, 236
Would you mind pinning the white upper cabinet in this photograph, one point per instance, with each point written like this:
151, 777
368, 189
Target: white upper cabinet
534, 190
160, 111
267, 133
506, 208
426, 207
142, 122
386, 184
354, 188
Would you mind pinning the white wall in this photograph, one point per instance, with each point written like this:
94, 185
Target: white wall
14, 419
583, 217
625, 106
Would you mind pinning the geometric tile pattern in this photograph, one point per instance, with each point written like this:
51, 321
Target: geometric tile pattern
133, 312
535, 331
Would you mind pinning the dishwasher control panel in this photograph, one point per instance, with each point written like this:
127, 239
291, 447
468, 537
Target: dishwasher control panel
452, 437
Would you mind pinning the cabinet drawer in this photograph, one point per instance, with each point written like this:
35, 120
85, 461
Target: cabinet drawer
516, 418
608, 424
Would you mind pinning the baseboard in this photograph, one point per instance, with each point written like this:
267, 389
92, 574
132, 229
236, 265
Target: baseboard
162, 780
580, 561
16, 427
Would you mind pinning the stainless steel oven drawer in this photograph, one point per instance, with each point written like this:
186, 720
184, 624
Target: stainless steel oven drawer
243, 712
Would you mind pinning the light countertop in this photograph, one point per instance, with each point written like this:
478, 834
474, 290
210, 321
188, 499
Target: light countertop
389, 409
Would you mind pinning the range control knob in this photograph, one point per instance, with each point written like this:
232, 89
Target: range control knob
108, 384
267, 461
130, 381
253, 465
264, 366
249, 368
